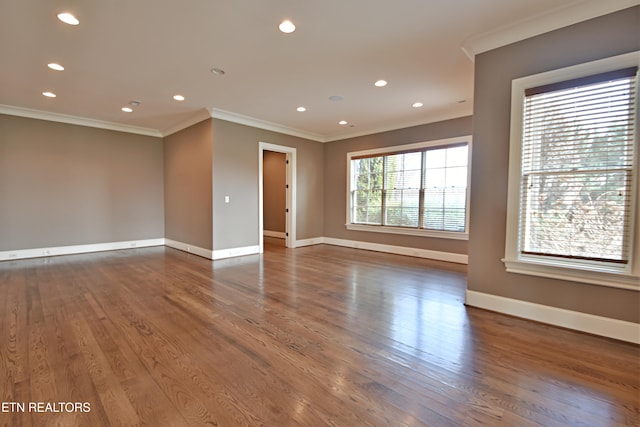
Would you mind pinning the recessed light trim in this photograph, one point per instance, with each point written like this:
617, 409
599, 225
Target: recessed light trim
287, 27
49, 94
417, 104
178, 97
301, 109
343, 122
127, 109
380, 83
55, 66
218, 71
68, 18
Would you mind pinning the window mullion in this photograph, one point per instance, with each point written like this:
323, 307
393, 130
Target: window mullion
421, 200
383, 203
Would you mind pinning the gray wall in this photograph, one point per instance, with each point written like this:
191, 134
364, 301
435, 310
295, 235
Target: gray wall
335, 176
601, 37
64, 184
274, 191
188, 186
235, 174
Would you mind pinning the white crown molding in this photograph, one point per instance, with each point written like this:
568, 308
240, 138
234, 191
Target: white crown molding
425, 121
76, 120
553, 19
263, 124
205, 113
199, 116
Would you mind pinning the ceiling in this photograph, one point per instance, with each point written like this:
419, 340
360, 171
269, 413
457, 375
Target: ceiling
151, 50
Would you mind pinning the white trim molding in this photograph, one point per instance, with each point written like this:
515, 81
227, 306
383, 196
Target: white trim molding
462, 110
583, 322
186, 247
612, 279
398, 250
553, 19
77, 249
407, 231
291, 191
421, 147
617, 275
241, 119
76, 120
310, 242
235, 252
227, 253
457, 111
200, 115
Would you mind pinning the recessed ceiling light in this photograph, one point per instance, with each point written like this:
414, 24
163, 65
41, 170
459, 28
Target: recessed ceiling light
287, 27
127, 109
68, 18
342, 122
178, 97
217, 71
417, 104
381, 83
55, 66
301, 109
49, 94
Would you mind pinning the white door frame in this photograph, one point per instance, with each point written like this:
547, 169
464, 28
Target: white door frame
290, 222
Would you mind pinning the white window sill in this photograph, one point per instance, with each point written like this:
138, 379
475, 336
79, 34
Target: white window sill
615, 277
408, 231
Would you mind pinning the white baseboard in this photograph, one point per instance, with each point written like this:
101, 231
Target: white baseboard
226, 253
186, 247
276, 234
597, 325
77, 249
99, 247
400, 250
234, 252
215, 254
310, 242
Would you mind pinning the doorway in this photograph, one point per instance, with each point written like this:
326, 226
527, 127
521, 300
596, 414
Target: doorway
290, 192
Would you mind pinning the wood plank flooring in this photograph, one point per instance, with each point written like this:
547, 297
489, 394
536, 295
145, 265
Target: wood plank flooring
316, 336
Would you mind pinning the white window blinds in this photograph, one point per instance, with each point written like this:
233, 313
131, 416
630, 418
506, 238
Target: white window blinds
577, 168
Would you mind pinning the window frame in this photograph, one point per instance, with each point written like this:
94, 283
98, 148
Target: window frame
626, 276
455, 235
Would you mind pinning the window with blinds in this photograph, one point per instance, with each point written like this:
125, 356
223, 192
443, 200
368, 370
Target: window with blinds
424, 188
577, 168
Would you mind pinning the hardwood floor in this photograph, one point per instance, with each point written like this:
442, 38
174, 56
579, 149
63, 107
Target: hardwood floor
314, 336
